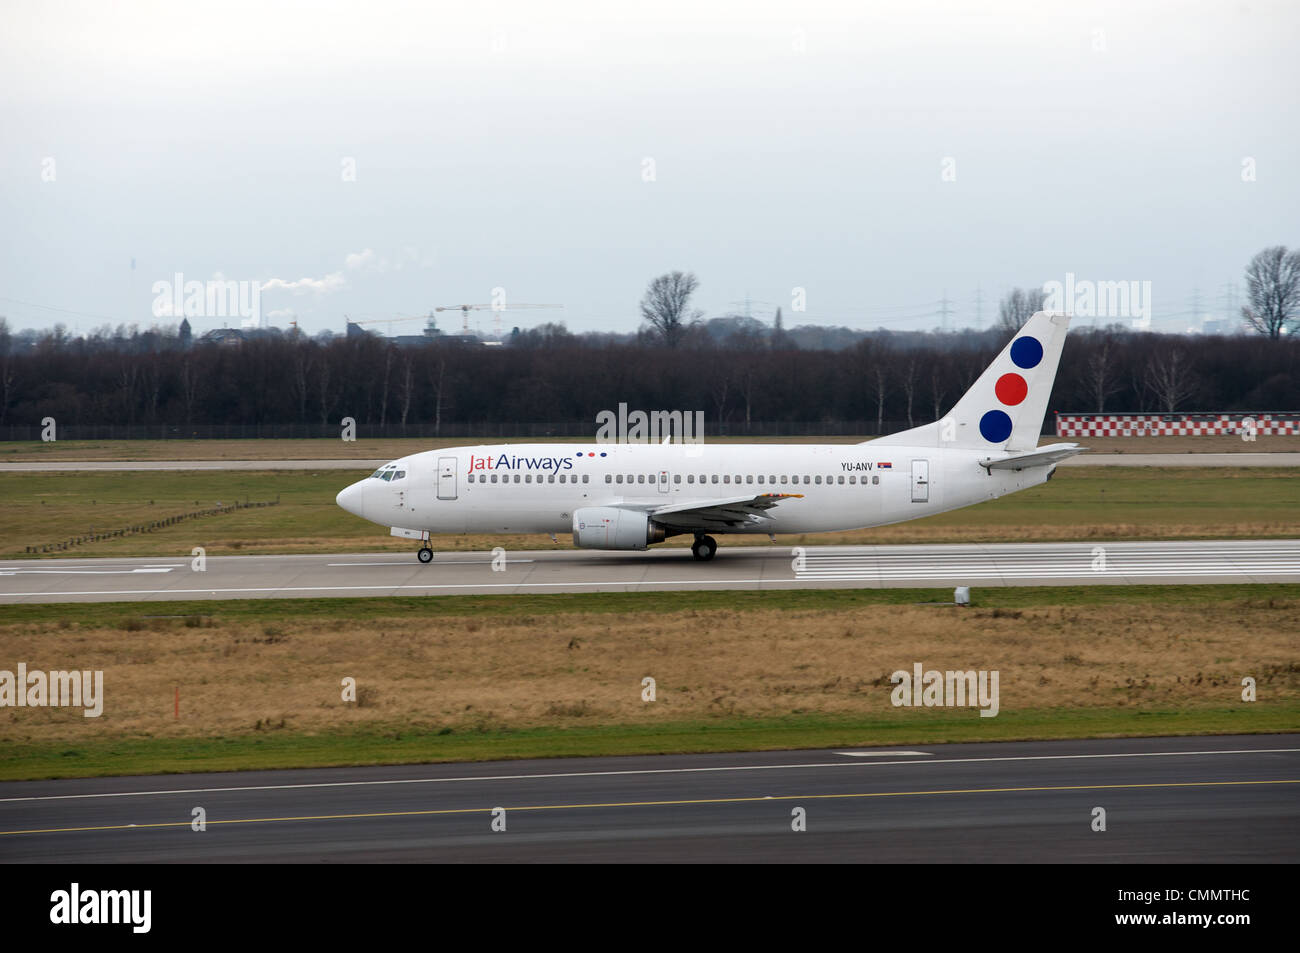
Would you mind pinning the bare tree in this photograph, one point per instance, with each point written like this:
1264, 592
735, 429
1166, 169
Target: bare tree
1170, 378
436, 379
326, 392
407, 387
6, 367
1273, 284
908, 380
1101, 379
189, 380
721, 388
383, 400
778, 332
880, 380
1018, 306
666, 305
938, 389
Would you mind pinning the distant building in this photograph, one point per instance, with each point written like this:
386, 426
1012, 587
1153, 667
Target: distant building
186, 334
229, 336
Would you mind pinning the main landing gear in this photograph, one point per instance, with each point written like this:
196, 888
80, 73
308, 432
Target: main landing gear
425, 555
704, 547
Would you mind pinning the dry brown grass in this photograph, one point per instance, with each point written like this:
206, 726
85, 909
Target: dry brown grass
576, 669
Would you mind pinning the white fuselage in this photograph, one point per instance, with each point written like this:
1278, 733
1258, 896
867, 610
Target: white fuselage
535, 488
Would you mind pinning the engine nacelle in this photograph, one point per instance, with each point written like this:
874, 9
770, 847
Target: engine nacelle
608, 527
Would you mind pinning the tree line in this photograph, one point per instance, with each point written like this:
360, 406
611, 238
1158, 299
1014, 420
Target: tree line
737, 375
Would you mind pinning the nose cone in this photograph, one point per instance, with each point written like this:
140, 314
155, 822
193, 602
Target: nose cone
351, 498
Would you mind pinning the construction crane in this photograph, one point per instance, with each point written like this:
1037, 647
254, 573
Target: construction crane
465, 309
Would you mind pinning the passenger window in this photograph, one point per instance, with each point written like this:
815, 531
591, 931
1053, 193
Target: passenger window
818, 480
727, 478
586, 478
714, 478
853, 479
640, 478
564, 478
771, 478
550, 478
690, 478
875, 481
494, 478
677, 478
750, 478
609, 478
840, 480
619, 478
760, 478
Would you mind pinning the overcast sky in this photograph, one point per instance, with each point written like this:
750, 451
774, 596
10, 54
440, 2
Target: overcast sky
506, 145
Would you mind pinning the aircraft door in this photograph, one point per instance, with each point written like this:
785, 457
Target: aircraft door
663, 481
920, 481
446, 478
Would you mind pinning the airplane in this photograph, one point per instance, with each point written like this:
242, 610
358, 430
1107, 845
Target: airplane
629, 496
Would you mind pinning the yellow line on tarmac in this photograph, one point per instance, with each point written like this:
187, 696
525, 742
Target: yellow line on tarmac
717, 800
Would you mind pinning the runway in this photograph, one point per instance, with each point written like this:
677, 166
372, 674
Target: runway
157, 579
363, 466
1166, 800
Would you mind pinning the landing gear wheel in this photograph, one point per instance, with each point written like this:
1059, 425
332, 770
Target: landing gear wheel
426, 555
704, 547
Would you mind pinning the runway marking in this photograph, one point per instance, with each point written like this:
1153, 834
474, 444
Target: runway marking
82, 572
485, 561
677, 803
881, 754
639, 771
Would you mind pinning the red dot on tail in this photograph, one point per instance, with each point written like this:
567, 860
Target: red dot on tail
1011, 389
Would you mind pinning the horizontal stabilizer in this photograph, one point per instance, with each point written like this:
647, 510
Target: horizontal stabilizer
1042, 457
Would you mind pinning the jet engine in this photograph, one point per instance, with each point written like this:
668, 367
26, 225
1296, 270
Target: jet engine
608, 527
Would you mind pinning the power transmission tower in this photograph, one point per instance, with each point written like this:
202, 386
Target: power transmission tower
944, 312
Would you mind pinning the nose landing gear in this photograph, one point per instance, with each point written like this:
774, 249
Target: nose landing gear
704, 547
425, 555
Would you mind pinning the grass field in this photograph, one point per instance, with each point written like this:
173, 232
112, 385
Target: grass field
362, 449
464, 678
1106, 503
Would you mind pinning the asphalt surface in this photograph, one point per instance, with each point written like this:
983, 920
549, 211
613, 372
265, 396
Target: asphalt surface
1166, 800
148, 579
1083, 460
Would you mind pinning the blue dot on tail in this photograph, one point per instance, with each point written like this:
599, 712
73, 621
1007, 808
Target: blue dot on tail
1026, 352
995, 426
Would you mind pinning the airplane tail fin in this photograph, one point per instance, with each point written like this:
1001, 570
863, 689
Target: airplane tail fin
1004, 409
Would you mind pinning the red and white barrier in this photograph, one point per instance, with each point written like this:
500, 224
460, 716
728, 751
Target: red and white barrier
1177, 425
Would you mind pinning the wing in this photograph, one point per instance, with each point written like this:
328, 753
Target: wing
717, 514
1042, 457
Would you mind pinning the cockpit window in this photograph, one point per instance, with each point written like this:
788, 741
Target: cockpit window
386, 475
388, 472
399, 474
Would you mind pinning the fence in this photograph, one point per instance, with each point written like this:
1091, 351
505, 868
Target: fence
1178, 425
